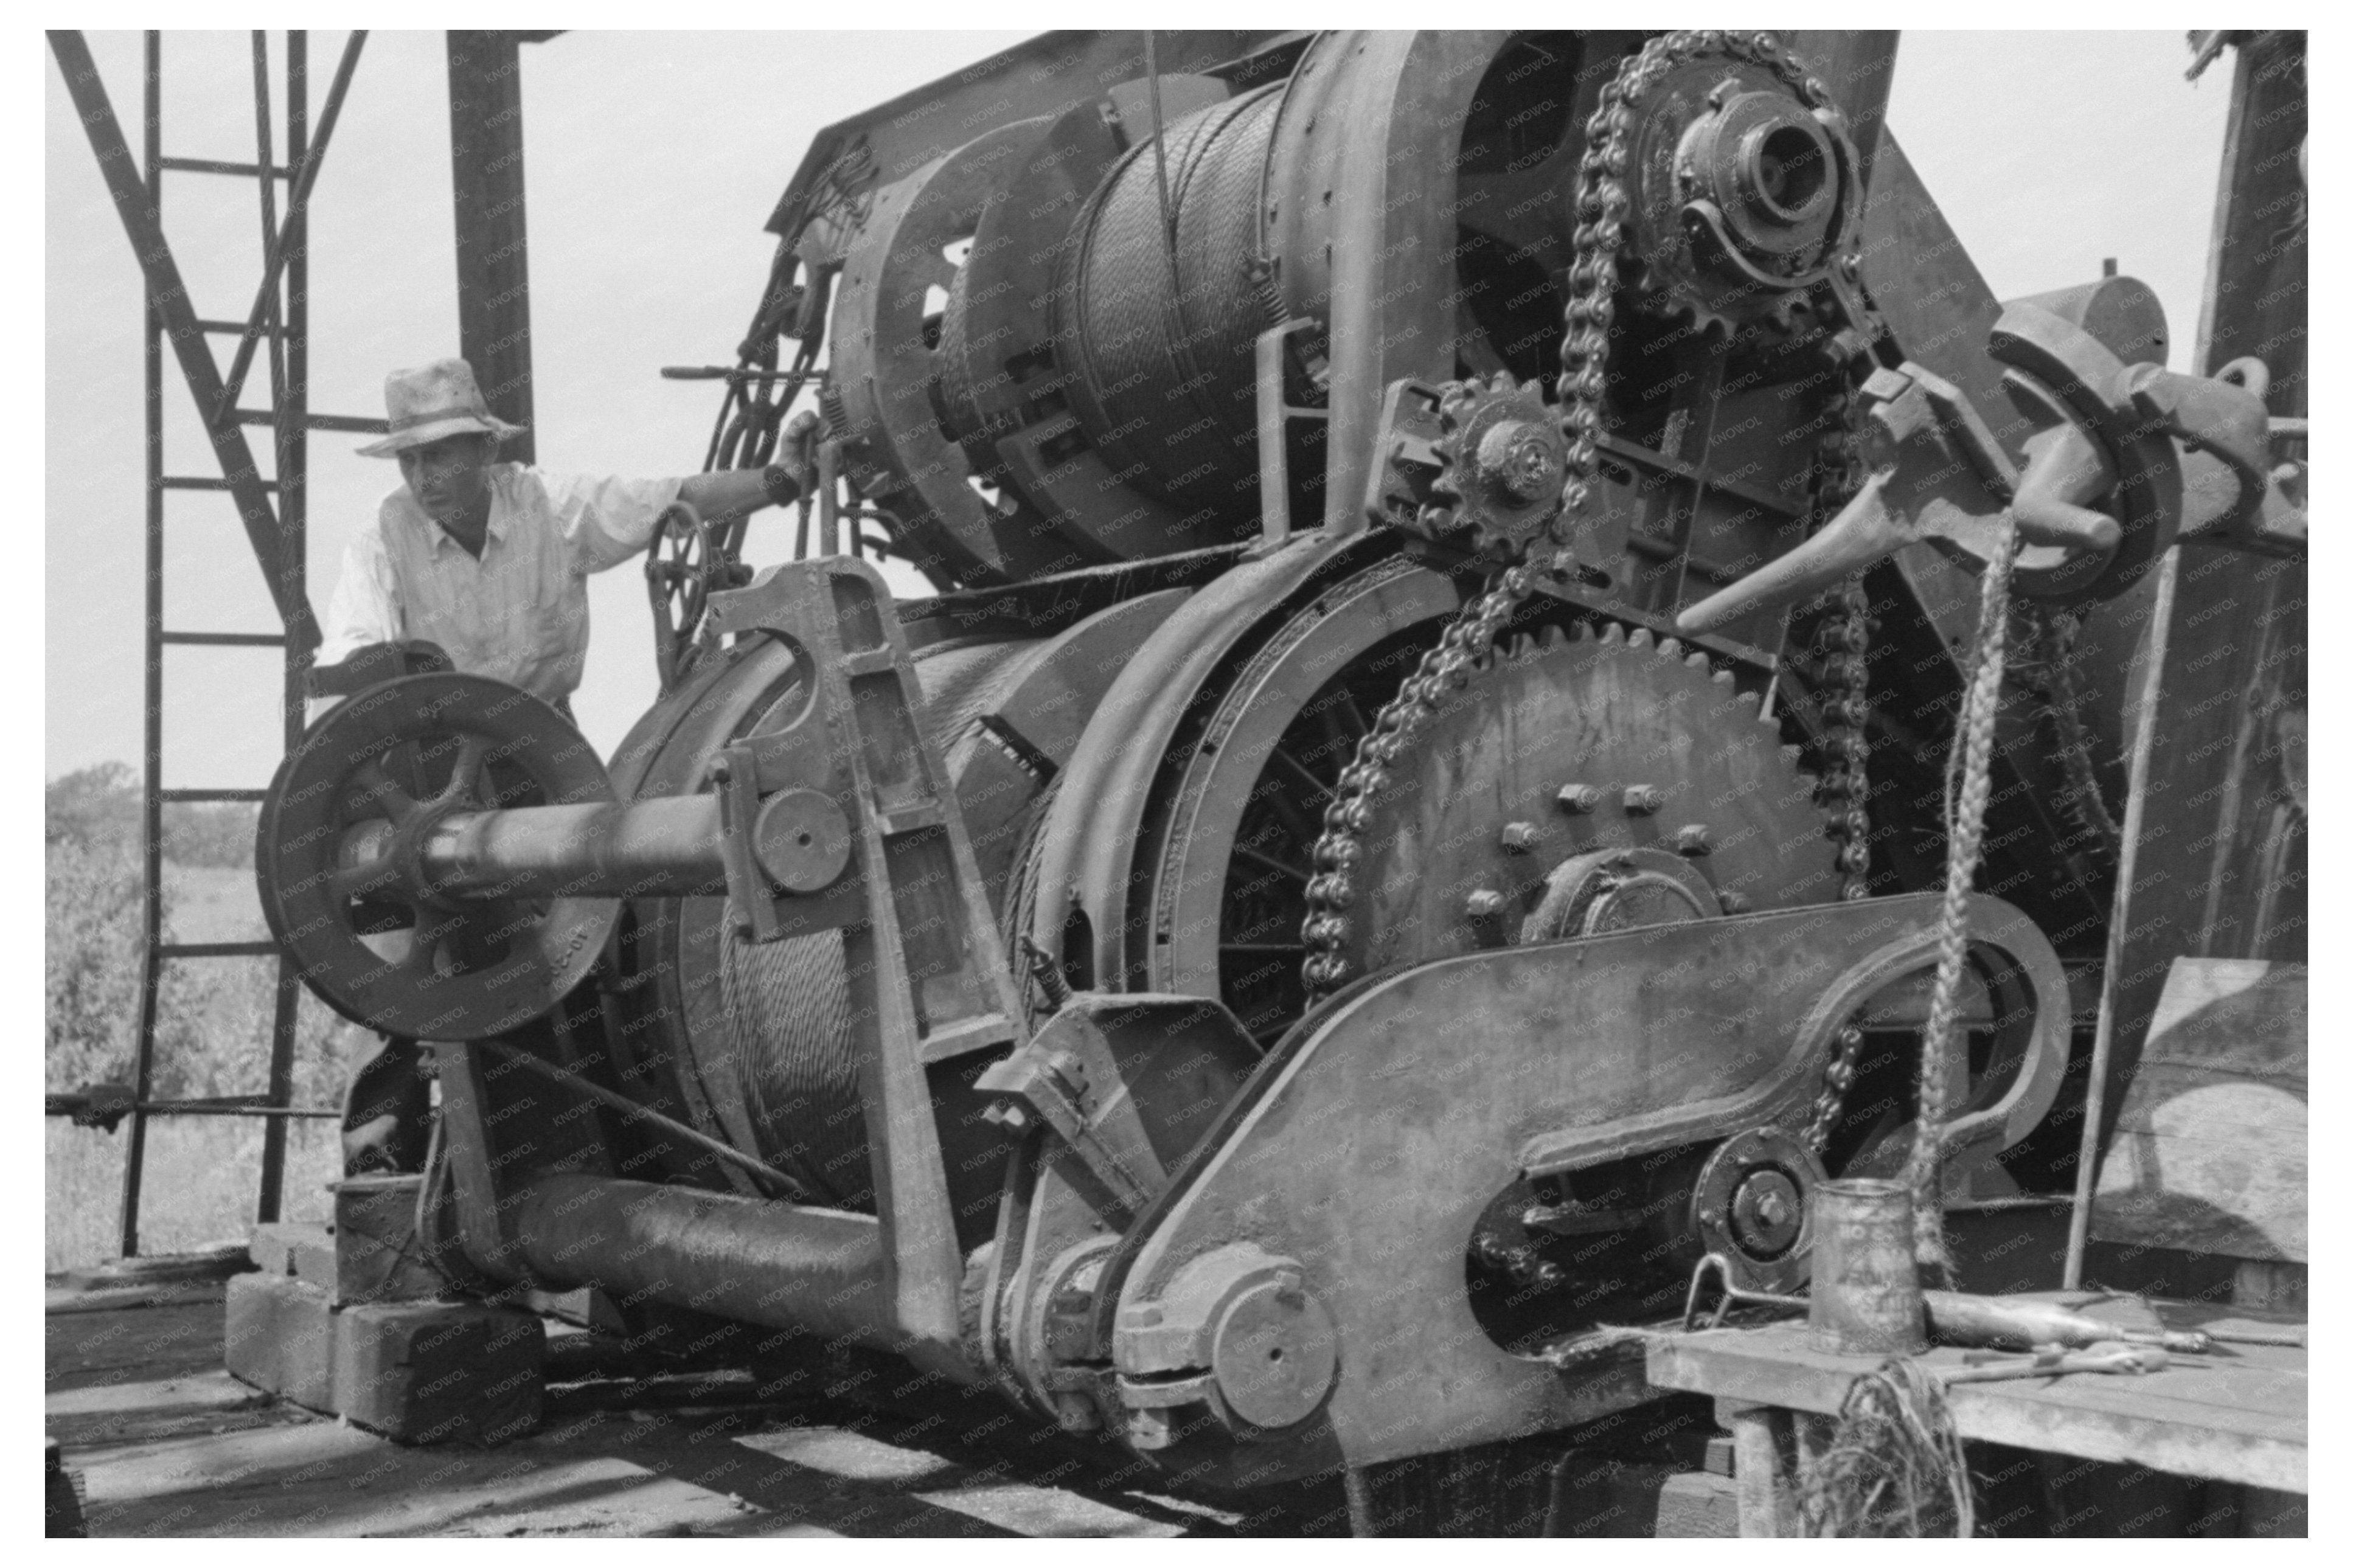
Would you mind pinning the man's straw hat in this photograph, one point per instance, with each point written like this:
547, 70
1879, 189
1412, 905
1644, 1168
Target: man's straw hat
439, 399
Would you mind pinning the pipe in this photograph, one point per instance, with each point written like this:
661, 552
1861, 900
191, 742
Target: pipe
780, 1264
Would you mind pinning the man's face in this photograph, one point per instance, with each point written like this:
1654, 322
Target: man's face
449, 478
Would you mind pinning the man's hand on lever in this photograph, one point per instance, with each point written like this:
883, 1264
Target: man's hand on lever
732, 491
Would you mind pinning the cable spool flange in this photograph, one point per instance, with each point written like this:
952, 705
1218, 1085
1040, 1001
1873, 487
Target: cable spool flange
886, 356
1004, 389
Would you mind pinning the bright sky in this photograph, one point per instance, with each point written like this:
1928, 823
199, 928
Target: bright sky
652, 160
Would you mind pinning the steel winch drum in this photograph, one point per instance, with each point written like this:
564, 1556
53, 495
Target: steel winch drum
759, 1037
1139, 301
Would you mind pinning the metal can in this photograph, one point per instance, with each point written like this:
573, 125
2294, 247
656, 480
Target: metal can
1866, 1283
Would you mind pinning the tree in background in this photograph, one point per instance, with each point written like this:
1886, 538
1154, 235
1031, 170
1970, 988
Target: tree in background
212, 1016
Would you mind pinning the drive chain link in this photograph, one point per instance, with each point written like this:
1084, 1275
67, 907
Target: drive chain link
1603, 203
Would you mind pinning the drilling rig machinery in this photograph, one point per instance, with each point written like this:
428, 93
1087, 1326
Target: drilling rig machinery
1414, 811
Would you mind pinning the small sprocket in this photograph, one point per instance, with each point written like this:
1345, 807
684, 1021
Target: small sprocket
1480, 462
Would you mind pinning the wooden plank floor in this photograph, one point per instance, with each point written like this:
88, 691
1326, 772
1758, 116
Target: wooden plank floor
167, 1443
2239, 1414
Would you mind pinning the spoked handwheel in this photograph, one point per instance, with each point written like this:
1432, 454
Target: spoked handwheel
337, 859
678, 582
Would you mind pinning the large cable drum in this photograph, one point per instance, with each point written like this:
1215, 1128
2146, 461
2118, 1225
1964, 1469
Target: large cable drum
786, 1033
758, 1039
1158, 318
757, 1044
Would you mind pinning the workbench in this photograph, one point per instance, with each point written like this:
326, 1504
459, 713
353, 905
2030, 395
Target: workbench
2237, 1415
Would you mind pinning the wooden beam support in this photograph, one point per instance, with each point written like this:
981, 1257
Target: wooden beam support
493, 258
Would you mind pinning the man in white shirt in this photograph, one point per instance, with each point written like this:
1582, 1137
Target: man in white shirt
488, 562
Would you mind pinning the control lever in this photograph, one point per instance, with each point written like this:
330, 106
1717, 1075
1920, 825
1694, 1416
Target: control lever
1944, 485
2125, 460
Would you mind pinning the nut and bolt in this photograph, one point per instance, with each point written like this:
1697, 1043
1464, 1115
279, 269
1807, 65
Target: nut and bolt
1767, 1212
1006, 1114
1519, 838
1483, 904
1579, 799
1521, 460
1642, 800
1691, 839
1732, 902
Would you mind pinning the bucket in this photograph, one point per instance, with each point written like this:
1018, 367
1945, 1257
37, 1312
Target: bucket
1866, 1285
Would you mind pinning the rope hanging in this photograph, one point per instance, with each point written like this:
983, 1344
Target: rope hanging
1967, 784
1895, 1465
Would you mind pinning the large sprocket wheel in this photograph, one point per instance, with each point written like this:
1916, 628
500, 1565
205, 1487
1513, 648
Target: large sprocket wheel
1581, 783
1740, 195
1232, 853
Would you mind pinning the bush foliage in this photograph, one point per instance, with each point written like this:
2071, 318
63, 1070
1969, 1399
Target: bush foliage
213, 1015
212, 1035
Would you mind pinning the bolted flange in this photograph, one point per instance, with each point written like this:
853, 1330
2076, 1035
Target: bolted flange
1752, 1203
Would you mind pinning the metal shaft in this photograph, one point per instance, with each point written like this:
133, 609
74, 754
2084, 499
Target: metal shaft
663, 848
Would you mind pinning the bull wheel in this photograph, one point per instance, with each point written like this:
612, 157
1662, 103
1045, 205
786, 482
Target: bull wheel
336, 861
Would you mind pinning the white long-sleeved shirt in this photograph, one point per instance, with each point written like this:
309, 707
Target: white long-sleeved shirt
520, 612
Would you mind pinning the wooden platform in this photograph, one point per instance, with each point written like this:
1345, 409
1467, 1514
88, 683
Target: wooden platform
167, 1443
2238, 1415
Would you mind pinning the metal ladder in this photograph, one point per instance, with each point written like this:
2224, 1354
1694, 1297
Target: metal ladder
277, 328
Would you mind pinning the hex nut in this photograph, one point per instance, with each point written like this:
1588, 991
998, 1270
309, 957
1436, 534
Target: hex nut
1579, 799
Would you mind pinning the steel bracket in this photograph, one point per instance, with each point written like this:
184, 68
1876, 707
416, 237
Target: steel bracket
929, 977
